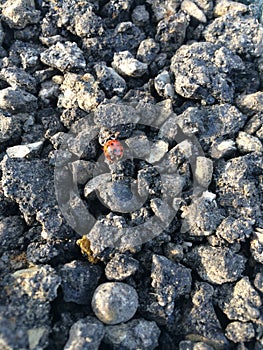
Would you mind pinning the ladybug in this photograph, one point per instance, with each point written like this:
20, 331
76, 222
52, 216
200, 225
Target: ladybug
113, 150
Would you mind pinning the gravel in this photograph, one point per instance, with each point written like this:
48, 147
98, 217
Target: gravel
162, 247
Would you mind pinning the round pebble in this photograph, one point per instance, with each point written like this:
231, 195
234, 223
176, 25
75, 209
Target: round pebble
114, 302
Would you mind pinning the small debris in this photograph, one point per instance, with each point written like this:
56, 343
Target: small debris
125, 64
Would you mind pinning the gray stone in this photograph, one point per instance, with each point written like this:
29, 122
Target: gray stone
11, 230
203, 171
193, 10
170, 281
140, 16
64, 56
80, 91
125, 64
19, 13
240, 302
86, 334
163, 85
256, 245
148, 50
201, 322
247, 143
161, 9
216, 265
110, 81
205, 78
239, 332
16, 100
233, 30
133, 335
235, 230
22, 151
114, 302
202, 216
157, 151
79, 280
171, 31
121, 266
222, 7
17, 77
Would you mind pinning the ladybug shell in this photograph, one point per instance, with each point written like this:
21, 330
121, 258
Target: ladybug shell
113, 150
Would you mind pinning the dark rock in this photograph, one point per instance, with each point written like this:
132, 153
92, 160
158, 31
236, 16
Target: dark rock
240, 301
207, 78
125, 336
78, 281
121, 266
15, 100
216, 265
11, 230
85, 334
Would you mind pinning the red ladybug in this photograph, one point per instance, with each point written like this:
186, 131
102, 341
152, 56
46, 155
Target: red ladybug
113, 150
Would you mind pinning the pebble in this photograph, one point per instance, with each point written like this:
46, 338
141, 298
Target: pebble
111, 82
170, 281
163, 85
120, 267
202, 216
247, 143
202, 308
193, 10
140, 16
240, 302
133, 335
78, 281
256, 245
125, 64
233, 30
222, 7
22, 151
114, 302
207, 74
86, 334
17, 77
16, 100
80, 91
216, 265
64, 56
11, 232
239, 332
203, 171
148, 50
235, 230
162, 210
220, 149
250, 104
157, 151
20, 13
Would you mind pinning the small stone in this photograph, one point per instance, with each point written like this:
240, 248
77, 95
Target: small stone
170, 281
193, 345
82, 171
203, 171
221, 149
110, 81
16, 100
157, 151
114, 302
79, 280
250, 104
148, 50
17, 77
174, 252
21, 151
121, 266
247, 143
80, 91
163, 85
125, 64
193, 10
64, 56
202, 216
239, 332
222, 7
258, 281
240, 302
234, 230
86, 334
162, 210
256, 245
11, 230
133, 335
216, 265
139, 145
19, 13
140, 16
